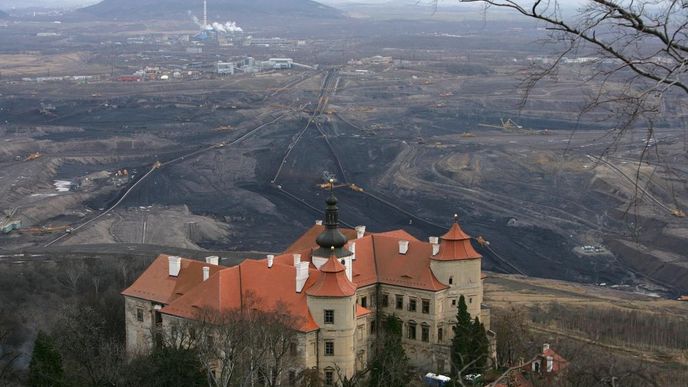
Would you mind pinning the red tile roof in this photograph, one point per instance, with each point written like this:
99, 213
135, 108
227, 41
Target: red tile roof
250, 284
155, 284
332, 281
456, 245
558, 362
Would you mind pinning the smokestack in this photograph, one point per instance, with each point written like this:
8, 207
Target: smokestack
206, 273
205, 14
297, 259
271, 259
403, 246
360, 231
301, 275
175, 265
212, 260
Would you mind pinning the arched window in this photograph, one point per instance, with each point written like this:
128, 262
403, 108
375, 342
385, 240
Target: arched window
329, 376
425, 332
411, 334
451, 280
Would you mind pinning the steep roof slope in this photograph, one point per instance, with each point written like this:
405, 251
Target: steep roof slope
157, 285
234, 9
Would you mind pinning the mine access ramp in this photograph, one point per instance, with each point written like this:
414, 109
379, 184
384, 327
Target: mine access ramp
435, 380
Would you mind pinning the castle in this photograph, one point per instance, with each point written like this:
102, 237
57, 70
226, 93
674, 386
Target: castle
339, 281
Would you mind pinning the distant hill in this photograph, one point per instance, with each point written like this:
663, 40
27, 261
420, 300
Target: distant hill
230, 9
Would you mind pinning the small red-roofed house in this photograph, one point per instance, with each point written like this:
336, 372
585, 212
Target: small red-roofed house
337, 283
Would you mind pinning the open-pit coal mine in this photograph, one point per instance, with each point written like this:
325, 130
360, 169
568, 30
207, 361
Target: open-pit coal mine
429, 125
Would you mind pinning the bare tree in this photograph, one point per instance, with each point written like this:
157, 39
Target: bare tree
636, 54
643, 41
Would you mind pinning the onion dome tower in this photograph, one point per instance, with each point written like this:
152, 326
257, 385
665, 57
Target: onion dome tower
331, 237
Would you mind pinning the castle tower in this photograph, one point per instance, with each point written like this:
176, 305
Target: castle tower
331, 237
456, 264
332, 304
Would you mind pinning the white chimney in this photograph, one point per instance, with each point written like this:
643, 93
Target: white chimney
403, 246
318, 222
545, 347
212, 260
435, 242
360, 231
301, 275
297, 259
352, 248
175, 265
271, 259
206, 273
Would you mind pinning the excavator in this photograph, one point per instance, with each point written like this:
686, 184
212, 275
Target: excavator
33, 156
331, 185
509, 125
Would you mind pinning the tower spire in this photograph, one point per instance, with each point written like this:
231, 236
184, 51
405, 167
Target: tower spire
331, 240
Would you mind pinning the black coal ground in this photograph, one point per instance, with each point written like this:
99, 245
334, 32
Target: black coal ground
537, 251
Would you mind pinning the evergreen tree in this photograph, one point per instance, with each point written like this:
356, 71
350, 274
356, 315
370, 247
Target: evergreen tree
461, 343
390, 364
479, 347
166, 367
45, 368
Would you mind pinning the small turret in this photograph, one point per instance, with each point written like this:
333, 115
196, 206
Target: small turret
455, 245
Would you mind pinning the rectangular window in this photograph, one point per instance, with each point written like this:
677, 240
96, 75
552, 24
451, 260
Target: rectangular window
293, 349
426, 306
372, 327
411, 334
292, 378
439, 335
412, 305
470, 300
364, 302
454, 302
385, 300
440, 365
425, 333
400, 301
329, 348
329, 316
139, 314
329, 378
